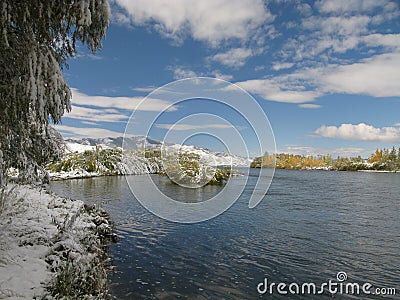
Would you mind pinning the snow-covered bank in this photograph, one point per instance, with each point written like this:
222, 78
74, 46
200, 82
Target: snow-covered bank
50, 246
379, 171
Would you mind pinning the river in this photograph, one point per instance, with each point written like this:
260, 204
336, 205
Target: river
310, 226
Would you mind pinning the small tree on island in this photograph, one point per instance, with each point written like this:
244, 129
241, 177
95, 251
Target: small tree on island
36, 38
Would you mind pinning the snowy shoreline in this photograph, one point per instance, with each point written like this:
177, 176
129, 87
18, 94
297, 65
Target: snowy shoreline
379, 171
51, 247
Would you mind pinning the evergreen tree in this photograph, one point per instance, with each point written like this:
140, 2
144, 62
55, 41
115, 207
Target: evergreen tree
36, 38
393, 154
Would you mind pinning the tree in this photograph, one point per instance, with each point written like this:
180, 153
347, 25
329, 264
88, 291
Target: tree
36, 38
393, 154
376, 157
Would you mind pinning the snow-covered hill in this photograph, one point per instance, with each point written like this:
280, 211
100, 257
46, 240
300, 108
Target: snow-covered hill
137, 142
133, 142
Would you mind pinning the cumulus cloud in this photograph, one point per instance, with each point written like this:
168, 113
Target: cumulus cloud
377, 76
235, 58
212, 21
382, 40
360, 132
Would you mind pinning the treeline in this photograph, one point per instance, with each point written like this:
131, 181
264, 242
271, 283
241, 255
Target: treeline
381, 160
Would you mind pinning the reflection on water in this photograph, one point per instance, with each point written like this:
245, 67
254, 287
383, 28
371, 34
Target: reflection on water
310, 225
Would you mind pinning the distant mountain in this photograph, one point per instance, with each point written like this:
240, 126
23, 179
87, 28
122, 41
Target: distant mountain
137, 142
134, 142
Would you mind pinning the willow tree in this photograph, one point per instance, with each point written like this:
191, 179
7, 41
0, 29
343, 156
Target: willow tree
36, 38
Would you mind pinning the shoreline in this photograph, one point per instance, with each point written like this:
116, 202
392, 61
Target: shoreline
79, 174
379, 171
335, 170
51, 246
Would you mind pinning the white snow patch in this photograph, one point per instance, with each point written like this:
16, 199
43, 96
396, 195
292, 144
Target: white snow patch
28, 226
76, 147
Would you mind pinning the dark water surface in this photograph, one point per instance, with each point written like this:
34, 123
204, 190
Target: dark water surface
310, 226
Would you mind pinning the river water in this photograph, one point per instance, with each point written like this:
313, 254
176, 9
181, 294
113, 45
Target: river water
310, 226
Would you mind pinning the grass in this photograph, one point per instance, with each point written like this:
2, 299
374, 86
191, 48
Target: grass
79, 258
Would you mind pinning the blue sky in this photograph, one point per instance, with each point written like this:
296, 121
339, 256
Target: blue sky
326, 73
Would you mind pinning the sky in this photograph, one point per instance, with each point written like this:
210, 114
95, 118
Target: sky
326, 73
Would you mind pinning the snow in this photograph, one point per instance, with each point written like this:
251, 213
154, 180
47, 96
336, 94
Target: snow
378, 171
76, 147
136, 142
73, 174
32, 225
135, 164
216, 158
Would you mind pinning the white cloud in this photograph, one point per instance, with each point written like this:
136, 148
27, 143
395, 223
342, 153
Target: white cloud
304, 9
147, 89
219, 75
90, 132
342, 26
377, 76
212, 21
382, 40
121, 18
350, 42
309, 105
314, 151
281, 66
351, 6
235, 58
181, 72
96, 114
91, 110
183, 127
360, 132
126, 103
279, 90
88, 55
259, 68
